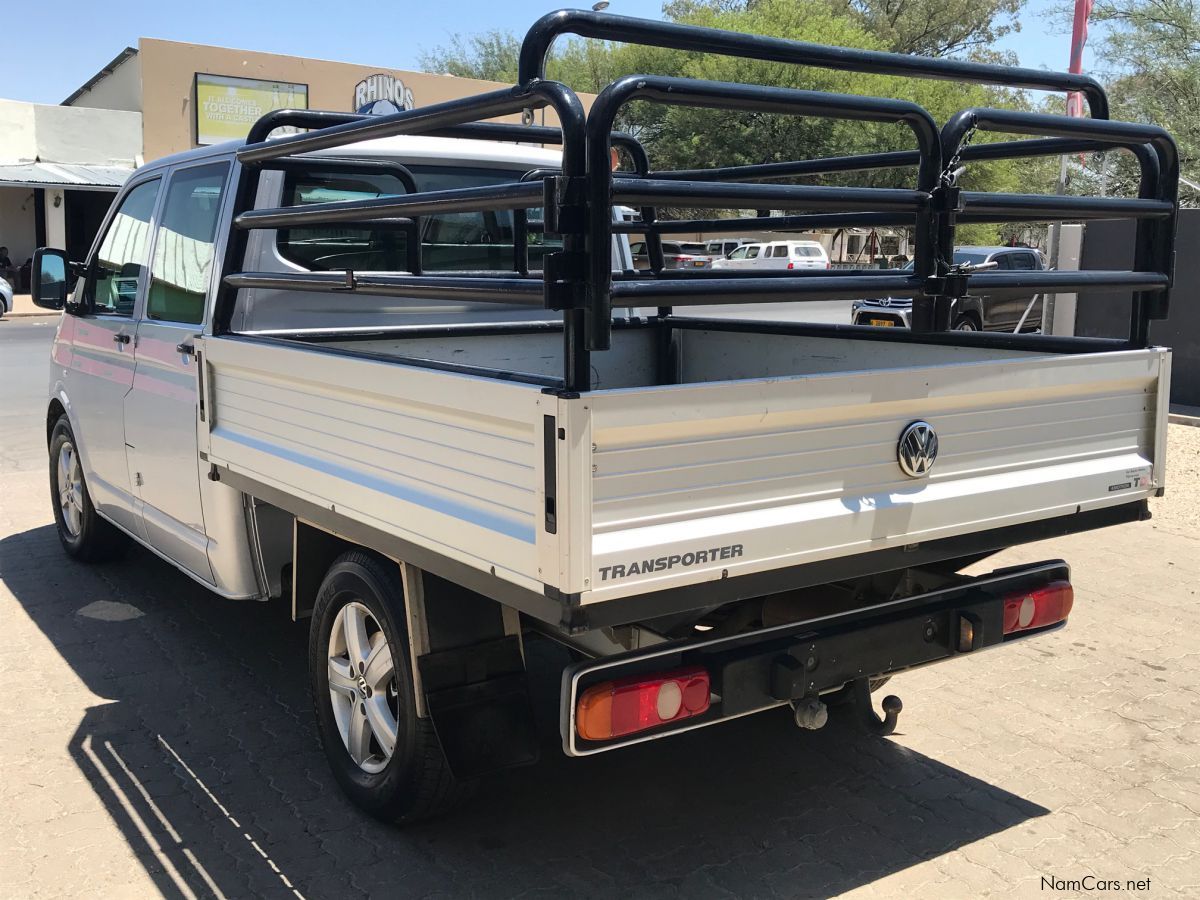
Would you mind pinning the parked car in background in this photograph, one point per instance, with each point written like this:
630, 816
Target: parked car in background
675, 256
724, 246
778, 255
997, 310
740, 258
6, 297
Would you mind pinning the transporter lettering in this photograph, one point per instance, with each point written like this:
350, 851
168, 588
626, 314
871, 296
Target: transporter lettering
663, 563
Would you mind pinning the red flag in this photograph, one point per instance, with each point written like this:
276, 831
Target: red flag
1079, 29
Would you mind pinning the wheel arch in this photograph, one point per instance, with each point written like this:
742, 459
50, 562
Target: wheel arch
55, 410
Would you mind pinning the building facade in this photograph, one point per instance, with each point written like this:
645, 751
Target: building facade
60, 165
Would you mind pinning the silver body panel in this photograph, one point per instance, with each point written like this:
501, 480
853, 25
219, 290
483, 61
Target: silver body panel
787, 469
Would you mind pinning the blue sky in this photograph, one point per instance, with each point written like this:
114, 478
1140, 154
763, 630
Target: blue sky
74, 40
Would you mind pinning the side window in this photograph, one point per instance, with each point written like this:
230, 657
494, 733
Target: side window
324, 248
184, 244
753, 250
739, 253
780, 251
120, 263
1003, 261
637, 249
1021, 261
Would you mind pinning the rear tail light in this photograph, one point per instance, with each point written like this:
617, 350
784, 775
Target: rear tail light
679, 258
1047, 605
628, 705
828, 265
791, 265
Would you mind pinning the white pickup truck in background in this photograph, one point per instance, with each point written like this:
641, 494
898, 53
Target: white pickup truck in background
403, 371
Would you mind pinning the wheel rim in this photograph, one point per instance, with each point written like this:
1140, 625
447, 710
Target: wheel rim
966, 325
362, 687
70, 488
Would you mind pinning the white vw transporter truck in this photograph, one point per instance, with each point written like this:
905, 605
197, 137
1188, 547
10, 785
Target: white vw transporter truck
402, 370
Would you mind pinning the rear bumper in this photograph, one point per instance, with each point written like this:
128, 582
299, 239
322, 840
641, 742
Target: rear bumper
774, 666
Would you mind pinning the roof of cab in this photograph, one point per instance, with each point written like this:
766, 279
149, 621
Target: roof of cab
410, 147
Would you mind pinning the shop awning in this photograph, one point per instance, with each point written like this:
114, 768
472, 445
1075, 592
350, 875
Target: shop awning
64, 175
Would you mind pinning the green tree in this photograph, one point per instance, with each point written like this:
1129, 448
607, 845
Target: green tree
925, 27
685, 137
1150, 54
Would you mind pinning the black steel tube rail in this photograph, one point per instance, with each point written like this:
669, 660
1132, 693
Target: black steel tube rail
298, 118
1155, 238
1089, 279
421, 120
508, 195
604, 189
766, 223
514, 290
794, 274
701, 291
712, 194
623, 29
1062, 207
757, 288
892, 159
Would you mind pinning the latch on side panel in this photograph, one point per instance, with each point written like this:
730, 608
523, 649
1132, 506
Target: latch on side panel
550, 472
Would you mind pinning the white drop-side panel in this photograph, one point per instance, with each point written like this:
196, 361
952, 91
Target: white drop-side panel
447, 461
701, 481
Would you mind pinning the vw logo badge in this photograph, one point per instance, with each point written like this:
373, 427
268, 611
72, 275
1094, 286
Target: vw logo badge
918, 449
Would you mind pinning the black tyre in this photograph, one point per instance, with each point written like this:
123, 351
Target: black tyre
386, 759
84, 535
966, 323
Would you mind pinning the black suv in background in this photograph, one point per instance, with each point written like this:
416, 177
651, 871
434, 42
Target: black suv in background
996, 310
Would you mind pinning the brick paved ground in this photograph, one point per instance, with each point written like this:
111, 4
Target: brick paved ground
156, 740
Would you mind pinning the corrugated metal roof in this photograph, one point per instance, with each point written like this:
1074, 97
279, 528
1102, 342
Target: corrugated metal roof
42, 174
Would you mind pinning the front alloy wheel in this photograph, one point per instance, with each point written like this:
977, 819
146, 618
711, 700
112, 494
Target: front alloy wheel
70, 489
362, 688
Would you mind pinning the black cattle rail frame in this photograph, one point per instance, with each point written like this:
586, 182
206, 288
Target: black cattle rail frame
577, 200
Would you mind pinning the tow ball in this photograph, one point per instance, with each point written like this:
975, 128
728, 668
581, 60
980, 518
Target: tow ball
861, 692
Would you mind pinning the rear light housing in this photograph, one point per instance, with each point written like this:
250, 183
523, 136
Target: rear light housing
614, 709
1047, 605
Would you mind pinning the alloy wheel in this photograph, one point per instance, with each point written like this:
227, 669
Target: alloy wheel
70, 488
362, 687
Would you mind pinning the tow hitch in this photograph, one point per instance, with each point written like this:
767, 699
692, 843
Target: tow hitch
866, 710
811, 712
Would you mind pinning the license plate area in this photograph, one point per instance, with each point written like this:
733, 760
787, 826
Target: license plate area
770, 667
885, 323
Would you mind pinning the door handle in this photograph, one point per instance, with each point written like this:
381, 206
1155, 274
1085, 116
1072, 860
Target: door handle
185, 349
121, 338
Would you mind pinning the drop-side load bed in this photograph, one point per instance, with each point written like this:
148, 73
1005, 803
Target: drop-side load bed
520, 433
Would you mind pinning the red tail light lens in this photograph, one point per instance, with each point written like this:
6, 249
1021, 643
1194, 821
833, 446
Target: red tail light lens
828, 265
629, 705
1047, 605
791, 265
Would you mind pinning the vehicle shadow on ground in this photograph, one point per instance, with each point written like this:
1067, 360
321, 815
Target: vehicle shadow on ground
206, 758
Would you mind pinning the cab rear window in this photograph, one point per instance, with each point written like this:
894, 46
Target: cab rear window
461, 241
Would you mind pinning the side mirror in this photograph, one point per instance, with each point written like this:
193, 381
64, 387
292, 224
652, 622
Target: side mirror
48, 279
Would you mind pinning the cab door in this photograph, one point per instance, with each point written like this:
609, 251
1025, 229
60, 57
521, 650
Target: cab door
101, 336
161, 410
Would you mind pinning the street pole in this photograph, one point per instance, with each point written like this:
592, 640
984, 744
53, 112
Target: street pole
1055, 243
